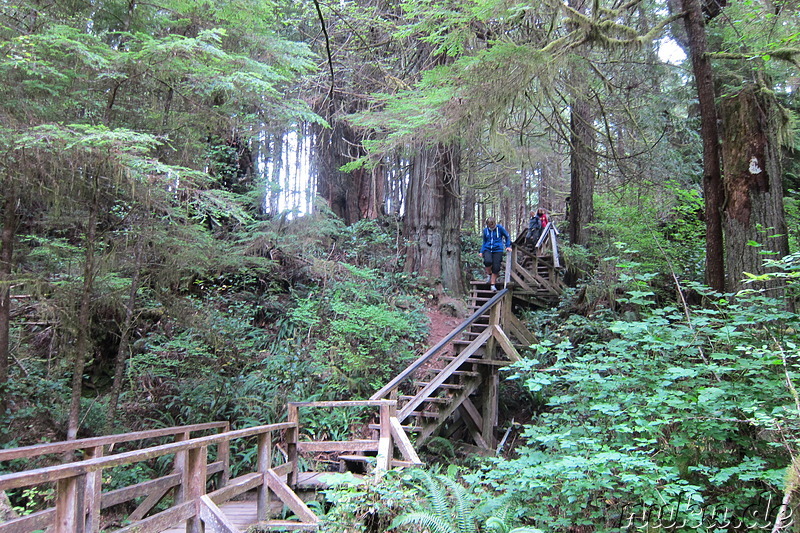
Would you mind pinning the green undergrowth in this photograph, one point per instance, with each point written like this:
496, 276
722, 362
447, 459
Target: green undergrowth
680, 412
651, 417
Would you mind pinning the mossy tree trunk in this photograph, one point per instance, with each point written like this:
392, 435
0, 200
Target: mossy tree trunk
754, 221
83, 336
125, 333
353, 195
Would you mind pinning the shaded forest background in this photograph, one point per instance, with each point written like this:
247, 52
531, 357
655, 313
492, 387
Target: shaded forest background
212, 208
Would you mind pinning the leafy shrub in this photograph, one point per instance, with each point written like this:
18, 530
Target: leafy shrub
359, 338
666, 412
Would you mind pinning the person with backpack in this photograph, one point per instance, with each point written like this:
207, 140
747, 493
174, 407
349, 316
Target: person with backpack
537, 223
496, 241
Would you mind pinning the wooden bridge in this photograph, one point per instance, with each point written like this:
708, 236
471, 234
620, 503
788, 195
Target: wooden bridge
451, 391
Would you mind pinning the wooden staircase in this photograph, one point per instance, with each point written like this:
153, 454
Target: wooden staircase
451, 391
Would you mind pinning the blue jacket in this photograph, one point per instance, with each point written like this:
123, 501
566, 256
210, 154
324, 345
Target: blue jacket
495, 240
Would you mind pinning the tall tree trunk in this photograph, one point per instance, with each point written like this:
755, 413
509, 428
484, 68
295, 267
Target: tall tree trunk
754, 210
349, 194
583, 160
274, 181
433, 218
583, 154
470, 198
82, 341
125, 335
6, 257
712, 170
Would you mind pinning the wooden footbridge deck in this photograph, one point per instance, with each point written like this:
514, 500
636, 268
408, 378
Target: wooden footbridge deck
450, 391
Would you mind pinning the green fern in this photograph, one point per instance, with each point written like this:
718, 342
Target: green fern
428, 520
449, 507
464, 509
499, 525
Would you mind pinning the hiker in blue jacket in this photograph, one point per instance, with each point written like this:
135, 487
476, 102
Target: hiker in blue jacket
496, 240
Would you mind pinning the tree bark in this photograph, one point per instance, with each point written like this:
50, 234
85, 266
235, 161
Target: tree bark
125, 336
6, 257
351, 195
433, 218
754, 211
82, 342
712, 170
583, 160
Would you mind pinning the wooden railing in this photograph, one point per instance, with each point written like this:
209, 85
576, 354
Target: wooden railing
545, 256
79, 498
391, 436
99, 446
406, 375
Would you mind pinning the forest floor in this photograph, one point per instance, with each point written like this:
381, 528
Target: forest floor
441, 324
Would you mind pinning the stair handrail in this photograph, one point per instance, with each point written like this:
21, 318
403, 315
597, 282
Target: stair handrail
405, 374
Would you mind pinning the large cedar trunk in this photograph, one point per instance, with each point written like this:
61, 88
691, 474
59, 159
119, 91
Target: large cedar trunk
583, 161
712, 172
352, 195
433, 218
753, 191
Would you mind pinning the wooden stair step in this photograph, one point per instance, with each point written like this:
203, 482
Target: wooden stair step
455, 386
431, 399
288, 524
477, 361
407, 429
424, 414
437, 371
357, 458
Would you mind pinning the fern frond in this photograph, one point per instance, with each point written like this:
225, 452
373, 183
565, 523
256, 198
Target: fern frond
465, 511
435, 493
432, 522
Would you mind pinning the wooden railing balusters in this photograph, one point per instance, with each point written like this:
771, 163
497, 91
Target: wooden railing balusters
224, 456
180, 468
69, 504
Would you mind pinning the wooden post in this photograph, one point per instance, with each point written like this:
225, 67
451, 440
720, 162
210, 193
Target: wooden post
94, 488
505, 310
224, 455
194, 481
70, 505
384, 461
180, 468
491, 381
494, 319
264, 493
292, 435
511, 260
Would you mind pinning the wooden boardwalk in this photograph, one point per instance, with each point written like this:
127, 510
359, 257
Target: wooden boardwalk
243, 514
456, 402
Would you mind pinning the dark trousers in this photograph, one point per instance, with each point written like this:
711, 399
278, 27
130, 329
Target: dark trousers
494, 260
